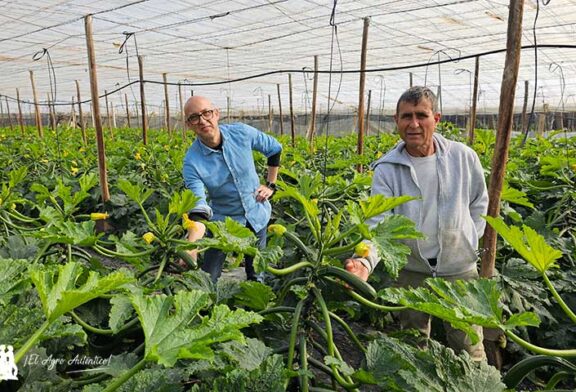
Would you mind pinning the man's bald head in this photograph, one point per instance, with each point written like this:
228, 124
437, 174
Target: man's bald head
197, 104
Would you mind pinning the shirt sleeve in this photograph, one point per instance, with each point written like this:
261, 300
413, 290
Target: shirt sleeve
263, 142
193, 182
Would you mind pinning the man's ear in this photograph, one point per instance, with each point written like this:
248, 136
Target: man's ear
437, 117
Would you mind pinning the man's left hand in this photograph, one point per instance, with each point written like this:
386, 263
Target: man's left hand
263, 193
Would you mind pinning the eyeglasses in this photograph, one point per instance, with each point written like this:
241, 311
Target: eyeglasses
194, 119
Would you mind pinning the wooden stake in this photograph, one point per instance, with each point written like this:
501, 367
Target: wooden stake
73, 113
368, 112
108, 118
167, 106
9, 116
113, 110
96, 110
51, 113
20, 117
312, 129
143, 101
127, 111
292, 125
81, 115
474, 105
36, 107
524, 109
269, 113
505, 115
360, 149
182, 115
280, 109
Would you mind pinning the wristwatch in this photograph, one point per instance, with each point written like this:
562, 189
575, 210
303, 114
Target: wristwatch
271, 185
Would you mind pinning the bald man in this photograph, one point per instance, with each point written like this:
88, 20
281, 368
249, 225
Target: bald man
219, 168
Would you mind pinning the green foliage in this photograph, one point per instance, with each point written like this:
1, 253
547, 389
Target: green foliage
251, 367
13, 279
528, 243
65, 288
174, 329
461, 303
396, 366
386, 238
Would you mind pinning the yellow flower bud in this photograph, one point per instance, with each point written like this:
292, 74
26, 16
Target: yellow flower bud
149, 237
137, 156
277, 230
362, 249
187, 223
98, 216
74, 170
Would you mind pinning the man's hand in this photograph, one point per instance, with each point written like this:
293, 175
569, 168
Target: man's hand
355, 266
195, 232
263, 193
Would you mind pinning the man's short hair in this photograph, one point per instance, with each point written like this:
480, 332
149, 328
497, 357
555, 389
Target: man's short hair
415, 94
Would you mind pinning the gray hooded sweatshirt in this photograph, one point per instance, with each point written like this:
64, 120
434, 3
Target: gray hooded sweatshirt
462, 199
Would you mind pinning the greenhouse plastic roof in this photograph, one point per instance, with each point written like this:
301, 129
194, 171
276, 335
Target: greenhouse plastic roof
213, 44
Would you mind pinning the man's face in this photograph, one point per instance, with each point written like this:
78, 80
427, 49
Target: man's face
416, 125
202, 118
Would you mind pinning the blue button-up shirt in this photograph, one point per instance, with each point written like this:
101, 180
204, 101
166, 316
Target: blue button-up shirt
229, 175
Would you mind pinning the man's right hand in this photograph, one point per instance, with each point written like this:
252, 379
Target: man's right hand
355, 266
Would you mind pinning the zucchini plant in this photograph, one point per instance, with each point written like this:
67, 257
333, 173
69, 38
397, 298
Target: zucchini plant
332, 234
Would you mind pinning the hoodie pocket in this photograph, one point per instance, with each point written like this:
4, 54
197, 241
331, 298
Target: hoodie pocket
457, 253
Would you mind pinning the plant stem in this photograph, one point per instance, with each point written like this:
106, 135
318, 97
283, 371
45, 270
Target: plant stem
349, 331
540, 350
161, 268
294, 333
342, 236
294, 238
41, 253
303, 365
341, 249
31, 341
374, 305
277, 309
289, 270
110, 253
346, 382
125, 376
559, 299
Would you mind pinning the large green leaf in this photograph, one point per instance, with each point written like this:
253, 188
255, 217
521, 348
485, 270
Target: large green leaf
310, 207
182, 202
254, 295
396, 366
515, 196
461, 303
230, 237
64, 289
528, 243
174, 329
134, 191
12, 279
374, 206
385, 237
73, 233
269, 255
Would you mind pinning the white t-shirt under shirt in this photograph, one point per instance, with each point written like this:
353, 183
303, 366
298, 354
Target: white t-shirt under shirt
427, 177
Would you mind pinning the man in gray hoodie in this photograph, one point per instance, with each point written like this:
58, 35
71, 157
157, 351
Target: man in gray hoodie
448, 179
